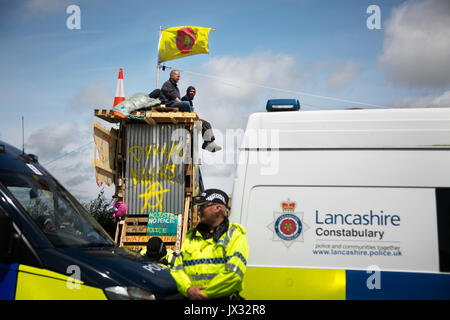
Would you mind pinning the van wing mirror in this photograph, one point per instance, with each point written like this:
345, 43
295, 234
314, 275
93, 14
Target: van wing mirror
6, 236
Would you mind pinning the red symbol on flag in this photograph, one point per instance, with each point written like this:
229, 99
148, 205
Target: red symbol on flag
186, 39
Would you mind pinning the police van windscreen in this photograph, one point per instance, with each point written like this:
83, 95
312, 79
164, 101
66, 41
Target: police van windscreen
55, 211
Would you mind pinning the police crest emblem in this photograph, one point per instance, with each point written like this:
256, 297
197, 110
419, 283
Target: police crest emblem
288, 226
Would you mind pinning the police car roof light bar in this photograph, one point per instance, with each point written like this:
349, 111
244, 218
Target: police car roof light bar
282, 105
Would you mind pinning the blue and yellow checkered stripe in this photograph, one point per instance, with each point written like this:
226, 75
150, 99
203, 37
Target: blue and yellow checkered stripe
21, 282
193, 262
273, 283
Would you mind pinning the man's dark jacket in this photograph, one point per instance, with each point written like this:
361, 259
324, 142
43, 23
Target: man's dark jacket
169, 91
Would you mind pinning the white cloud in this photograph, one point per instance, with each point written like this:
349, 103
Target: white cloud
44, 8
416, 50
342, 75
33, 8
94, 96
231, 88
67, 151
239, 71
51, 142
428, 101
235, 77
76, 173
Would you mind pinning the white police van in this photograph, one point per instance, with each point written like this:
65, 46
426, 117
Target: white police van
345, 204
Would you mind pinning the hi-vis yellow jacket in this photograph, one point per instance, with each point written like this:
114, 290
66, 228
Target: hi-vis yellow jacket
219, 266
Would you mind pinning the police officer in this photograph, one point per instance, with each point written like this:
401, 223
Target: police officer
156, 250
213, 259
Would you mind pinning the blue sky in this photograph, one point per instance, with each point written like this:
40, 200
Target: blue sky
56, 77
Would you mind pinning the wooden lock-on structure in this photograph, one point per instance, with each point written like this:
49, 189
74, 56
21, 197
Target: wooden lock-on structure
152, 159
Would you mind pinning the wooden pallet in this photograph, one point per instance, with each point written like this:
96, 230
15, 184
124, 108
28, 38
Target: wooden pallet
132, 231
151, 117
131, 234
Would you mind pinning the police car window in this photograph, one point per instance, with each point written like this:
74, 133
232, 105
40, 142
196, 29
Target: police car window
56, 213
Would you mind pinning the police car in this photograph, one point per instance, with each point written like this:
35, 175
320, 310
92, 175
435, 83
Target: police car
51, 248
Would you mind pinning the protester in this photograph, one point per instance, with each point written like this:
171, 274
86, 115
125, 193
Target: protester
170, 94
207, 133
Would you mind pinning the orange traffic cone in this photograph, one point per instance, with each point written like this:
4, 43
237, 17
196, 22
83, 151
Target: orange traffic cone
120, 93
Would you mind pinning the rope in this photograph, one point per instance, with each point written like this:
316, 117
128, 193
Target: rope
279, 89
66, 154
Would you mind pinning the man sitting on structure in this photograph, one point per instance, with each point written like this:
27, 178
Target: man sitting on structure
207, 133
169, 95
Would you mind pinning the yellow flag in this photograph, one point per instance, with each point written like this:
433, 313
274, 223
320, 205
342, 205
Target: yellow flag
180, 42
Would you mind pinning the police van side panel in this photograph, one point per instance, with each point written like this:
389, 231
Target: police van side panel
345, 223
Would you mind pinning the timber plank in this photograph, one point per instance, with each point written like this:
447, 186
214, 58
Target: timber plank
138, 248
149, 116
137, 229
120, 223
146, 238
150, 121
185, 218
136, 219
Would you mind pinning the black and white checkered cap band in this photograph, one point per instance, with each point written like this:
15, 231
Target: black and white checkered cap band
216, 196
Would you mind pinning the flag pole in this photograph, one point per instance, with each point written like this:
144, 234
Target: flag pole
157, 59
